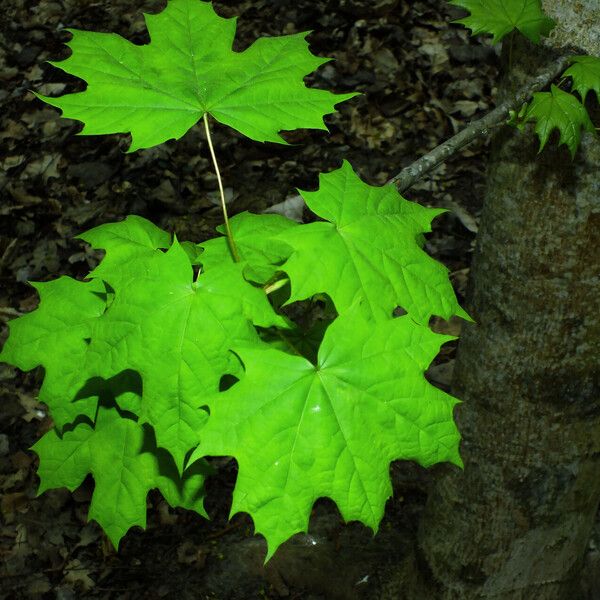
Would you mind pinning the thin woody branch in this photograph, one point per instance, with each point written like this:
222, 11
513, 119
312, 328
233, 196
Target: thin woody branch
417, 170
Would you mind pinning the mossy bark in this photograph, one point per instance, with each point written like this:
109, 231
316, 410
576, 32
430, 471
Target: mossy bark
516, 522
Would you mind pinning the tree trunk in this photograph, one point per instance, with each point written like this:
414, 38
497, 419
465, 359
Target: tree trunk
516, 522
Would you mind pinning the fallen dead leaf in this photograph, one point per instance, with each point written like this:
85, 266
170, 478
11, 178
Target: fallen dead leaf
38, 585
89, 535
11, 504
442, 373
33, 409
190, 554
451, 327
10, 162
166, 517
292, 208
46, 167
78, 576
467, 108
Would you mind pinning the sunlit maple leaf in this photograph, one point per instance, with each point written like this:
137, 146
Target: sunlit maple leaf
125, 464
301, 431
175, 332
500, 17
369, 247
127, 243
158, 91
56, 336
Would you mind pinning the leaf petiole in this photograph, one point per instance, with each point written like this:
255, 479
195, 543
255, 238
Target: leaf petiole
234, 251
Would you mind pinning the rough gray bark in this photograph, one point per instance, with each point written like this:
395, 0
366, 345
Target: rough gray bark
516, 522
577, 24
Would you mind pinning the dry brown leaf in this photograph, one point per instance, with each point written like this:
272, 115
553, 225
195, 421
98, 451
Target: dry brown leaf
190, 554
33, 409
11, 504
78, 576
45, 166
10, 162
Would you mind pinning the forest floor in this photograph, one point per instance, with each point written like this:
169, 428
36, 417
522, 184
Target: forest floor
421, 80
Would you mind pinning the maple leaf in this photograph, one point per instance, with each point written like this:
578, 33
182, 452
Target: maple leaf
158, 91
125, 466
301, 431
176, 332
500, 17
127, 243
56, 336
255, 238
369, 248
560, 110
585, 72
58, 333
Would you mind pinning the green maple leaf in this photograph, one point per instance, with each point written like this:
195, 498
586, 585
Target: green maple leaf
173, 331
176, 332
500, 17
124, 466
301, 431
370, 247
127, 243
56, 336
255, 238
160, 90
585, 72
559, 110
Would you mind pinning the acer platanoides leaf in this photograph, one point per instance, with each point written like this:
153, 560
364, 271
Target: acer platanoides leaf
158, 91
125, 464
176, 332
56, 336
301, 431
500, 17
585, 71
560, 110
369, 247
127, 243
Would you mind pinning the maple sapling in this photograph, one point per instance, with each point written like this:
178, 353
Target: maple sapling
136, 355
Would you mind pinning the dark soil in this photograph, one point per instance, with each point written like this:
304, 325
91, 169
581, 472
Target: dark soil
421, 78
